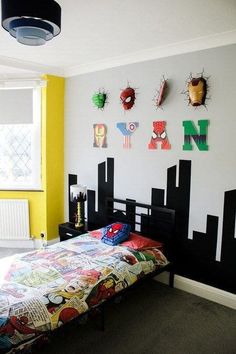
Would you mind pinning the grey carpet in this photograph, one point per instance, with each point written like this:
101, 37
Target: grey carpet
6, 251
153, 319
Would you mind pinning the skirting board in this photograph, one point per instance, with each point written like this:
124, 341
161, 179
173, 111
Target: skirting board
38, 242
208, 292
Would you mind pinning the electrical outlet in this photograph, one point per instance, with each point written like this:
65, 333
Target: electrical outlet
43, 239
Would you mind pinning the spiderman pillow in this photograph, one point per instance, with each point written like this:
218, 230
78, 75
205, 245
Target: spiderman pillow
115, 233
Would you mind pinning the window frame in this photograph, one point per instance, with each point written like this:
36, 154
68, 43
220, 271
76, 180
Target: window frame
36, 149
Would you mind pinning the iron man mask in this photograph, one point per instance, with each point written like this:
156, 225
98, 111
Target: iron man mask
197, 89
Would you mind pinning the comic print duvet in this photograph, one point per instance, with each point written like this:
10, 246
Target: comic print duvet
43, 289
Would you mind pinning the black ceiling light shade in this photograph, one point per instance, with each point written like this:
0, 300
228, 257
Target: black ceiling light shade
31, 22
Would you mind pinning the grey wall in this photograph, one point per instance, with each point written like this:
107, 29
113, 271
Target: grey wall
139, 169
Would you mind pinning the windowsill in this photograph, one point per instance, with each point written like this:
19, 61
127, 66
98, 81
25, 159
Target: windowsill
21, 190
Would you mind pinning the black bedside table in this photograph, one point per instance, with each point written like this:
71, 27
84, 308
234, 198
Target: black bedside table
68, 231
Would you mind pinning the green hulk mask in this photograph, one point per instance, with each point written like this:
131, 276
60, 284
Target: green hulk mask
99, 99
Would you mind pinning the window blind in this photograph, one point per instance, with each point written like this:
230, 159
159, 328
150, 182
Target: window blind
16, 106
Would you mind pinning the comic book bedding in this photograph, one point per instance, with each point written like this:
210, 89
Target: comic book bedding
43, 289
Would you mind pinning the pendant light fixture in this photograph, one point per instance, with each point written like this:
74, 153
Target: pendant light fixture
31, 22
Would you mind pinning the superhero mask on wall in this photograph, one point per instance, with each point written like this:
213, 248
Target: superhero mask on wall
161, 93
197, 90
127, 97
99, 99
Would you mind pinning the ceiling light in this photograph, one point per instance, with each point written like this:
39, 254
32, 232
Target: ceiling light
31, 22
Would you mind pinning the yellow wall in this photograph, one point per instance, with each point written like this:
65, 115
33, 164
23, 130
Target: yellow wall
53, 95
47, 206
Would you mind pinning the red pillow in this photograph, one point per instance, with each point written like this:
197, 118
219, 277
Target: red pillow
96, 233
138, 242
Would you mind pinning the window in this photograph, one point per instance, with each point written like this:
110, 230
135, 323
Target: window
20, 138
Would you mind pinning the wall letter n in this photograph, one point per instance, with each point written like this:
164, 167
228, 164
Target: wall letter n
200, 138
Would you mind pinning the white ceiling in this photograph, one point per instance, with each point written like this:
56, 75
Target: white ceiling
100, 33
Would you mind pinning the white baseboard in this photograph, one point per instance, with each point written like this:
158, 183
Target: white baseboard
38, 242
208, 292
55, 240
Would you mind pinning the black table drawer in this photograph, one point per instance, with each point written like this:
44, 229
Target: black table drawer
68, 230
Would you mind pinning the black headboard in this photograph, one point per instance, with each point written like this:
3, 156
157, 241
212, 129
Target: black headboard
155, 222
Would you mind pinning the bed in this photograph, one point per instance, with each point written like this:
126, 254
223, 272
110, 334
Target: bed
42, 290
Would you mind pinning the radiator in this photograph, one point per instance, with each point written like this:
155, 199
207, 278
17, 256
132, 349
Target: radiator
14, 219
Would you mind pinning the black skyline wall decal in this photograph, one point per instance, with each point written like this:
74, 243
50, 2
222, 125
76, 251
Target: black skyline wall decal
105, 189
195, 258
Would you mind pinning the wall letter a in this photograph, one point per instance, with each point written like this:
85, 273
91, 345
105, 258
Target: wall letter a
200, 138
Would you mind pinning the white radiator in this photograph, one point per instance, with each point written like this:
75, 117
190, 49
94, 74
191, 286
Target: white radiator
14, 219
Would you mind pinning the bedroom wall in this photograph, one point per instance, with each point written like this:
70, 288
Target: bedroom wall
139, 169
53, 148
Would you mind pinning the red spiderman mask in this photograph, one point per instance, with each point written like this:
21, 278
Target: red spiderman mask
127, 97
114, 229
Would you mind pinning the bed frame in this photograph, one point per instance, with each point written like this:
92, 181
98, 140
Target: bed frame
157, 223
